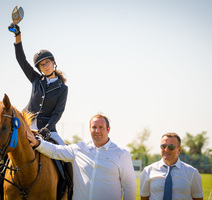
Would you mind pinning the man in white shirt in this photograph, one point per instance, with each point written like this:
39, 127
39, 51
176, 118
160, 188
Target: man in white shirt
186, 180
102, 170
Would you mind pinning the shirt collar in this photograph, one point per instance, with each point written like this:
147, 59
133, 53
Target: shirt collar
52, 80
105, 146
177, 164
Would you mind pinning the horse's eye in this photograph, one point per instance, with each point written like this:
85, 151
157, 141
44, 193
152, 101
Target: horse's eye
4, 127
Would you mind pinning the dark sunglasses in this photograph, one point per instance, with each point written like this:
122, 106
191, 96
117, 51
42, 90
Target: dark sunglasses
171, 146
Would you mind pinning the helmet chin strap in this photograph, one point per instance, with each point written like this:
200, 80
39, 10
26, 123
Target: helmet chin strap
49, 75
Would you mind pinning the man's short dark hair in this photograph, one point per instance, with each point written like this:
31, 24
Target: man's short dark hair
99, 115
172, 134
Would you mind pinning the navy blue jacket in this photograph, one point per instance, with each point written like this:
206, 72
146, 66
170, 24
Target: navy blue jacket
46, 102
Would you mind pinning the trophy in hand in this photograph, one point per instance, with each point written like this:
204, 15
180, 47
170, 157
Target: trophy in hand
17, 16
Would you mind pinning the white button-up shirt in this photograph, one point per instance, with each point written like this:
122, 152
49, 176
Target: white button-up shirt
186, 181
104, 173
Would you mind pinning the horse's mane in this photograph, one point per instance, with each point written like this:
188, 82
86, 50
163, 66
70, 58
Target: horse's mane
26, 116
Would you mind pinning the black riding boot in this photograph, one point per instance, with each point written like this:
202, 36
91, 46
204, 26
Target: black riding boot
69, 178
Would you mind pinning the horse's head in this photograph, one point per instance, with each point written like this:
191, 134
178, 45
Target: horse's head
8, 127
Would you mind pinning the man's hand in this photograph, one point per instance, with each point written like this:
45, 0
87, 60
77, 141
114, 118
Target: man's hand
33, 142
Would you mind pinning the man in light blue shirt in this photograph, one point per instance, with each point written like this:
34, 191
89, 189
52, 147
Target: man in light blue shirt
102, 170
186, 180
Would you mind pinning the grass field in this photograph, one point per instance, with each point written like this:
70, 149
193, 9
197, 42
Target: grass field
206, 185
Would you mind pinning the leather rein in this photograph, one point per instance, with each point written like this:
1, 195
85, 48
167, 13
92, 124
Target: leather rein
18, 186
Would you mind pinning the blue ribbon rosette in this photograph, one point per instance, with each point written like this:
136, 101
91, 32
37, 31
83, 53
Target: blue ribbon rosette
14, 139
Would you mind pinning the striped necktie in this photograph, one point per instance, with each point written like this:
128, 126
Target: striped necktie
168, 185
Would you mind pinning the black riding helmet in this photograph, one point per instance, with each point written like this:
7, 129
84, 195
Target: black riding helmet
42, 55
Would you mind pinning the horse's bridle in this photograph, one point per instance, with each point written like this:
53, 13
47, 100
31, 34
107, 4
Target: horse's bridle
6, 145
16, 170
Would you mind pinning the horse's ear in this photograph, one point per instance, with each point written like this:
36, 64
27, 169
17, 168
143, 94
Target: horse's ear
6, 102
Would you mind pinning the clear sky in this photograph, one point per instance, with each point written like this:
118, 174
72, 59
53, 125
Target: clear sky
143, 63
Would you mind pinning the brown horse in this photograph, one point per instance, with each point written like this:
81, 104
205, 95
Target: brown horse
29, 174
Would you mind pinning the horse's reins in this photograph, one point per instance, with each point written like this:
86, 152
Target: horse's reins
16, 170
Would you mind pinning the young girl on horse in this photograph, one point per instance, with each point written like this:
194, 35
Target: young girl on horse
49, 92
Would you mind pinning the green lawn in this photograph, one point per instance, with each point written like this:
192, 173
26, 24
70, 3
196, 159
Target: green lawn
206, 185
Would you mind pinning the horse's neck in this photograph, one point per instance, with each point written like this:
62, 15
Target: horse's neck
23, 159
